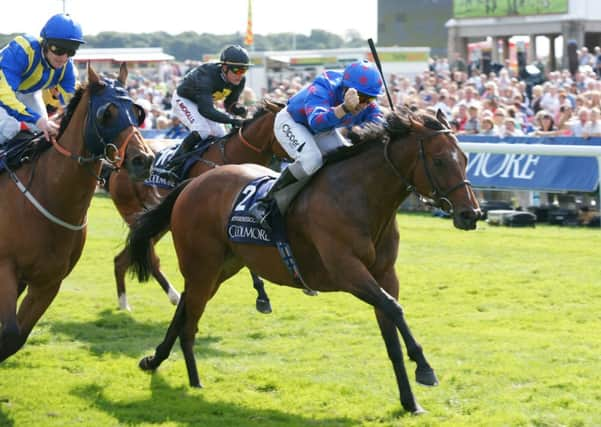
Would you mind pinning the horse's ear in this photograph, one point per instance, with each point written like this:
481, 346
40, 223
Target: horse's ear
93, 78
440, 116
123, 73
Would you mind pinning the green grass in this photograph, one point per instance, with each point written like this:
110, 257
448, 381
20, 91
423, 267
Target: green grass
509, 318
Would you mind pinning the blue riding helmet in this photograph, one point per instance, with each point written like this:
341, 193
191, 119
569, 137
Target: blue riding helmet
62, 27
363, 76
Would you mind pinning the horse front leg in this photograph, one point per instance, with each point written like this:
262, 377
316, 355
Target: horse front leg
10, 336
34, 305
263, 304
395, 354
424, 374
151, 363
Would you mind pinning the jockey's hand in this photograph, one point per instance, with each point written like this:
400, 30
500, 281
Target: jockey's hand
238, 110
236, 123
351, 99
48, 127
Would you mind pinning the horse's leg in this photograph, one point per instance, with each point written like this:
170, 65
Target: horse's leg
389, 313
150, 363
121, 262
171, 292
263, 304
424, 374
32, 307
10, 341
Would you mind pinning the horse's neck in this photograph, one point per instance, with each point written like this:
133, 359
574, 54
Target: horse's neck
370, 174
61, 184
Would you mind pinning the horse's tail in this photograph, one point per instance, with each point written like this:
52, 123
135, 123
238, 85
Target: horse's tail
146, 227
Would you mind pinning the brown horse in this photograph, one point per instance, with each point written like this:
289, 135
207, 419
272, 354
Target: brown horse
43, 222
253, 143
342, 230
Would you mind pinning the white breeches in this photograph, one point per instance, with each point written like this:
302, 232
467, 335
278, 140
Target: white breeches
187, 112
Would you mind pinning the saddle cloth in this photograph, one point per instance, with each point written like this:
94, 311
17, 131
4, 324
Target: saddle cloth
160, 176
243, 227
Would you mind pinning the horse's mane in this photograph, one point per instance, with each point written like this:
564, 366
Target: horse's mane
264, 107
70, 109
396, 124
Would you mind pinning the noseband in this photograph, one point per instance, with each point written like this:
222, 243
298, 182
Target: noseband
438, 197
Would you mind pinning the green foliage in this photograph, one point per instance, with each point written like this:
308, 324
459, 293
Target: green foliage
193, 45
509, 318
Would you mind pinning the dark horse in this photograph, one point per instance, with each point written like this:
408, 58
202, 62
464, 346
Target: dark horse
342, 229
45, 203
252, 143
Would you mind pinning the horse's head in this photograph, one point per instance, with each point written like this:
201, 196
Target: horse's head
260, 126
438, 171
111, 128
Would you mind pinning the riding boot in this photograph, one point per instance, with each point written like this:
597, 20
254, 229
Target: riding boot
178, 158
260, 209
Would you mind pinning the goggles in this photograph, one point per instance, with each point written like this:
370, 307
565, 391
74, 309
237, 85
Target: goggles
60, 51
366, 99
240, 71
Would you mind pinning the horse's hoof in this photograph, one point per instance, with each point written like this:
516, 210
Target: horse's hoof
310, 292
146, 364
196, 385
173, 296
123, 304
418, 410
263, 306
426, 377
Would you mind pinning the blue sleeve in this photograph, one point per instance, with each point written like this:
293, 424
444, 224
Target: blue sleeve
13, 65
319, 109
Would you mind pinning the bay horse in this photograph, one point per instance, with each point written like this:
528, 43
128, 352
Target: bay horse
254, 142
45, 202
342, 229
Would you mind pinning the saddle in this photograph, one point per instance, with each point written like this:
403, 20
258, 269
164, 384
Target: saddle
21, 149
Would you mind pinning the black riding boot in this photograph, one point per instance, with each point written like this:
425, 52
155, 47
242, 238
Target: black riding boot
260, 209
177, 160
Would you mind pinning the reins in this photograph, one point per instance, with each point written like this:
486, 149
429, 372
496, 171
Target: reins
437, 194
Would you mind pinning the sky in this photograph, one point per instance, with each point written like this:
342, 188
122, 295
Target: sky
202, 16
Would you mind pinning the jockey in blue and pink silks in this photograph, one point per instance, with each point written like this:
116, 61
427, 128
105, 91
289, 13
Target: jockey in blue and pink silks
309, 127
30, 64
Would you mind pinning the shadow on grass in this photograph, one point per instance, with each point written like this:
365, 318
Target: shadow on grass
118, 333
184, 407
5, 420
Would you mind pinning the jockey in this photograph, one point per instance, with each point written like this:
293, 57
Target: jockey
193, 101
309, 126
27, 66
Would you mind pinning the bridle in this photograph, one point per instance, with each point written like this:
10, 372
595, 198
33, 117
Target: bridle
437, 197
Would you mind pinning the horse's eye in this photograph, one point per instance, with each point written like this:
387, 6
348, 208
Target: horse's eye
438, 162
140, 114
103, 114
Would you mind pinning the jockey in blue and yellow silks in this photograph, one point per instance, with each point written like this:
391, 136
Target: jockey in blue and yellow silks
29, 65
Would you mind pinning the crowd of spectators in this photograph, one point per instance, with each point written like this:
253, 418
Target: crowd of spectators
494, 104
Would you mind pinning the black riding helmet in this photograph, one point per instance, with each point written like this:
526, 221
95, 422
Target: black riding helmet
235, 55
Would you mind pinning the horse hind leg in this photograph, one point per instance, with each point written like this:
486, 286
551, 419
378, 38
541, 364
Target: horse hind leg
151, 363
171, 292
121, 263
262, 304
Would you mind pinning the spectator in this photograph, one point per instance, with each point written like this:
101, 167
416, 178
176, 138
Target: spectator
577, 126
487, 126
545, 125
510, 128
593, 126
472, 124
